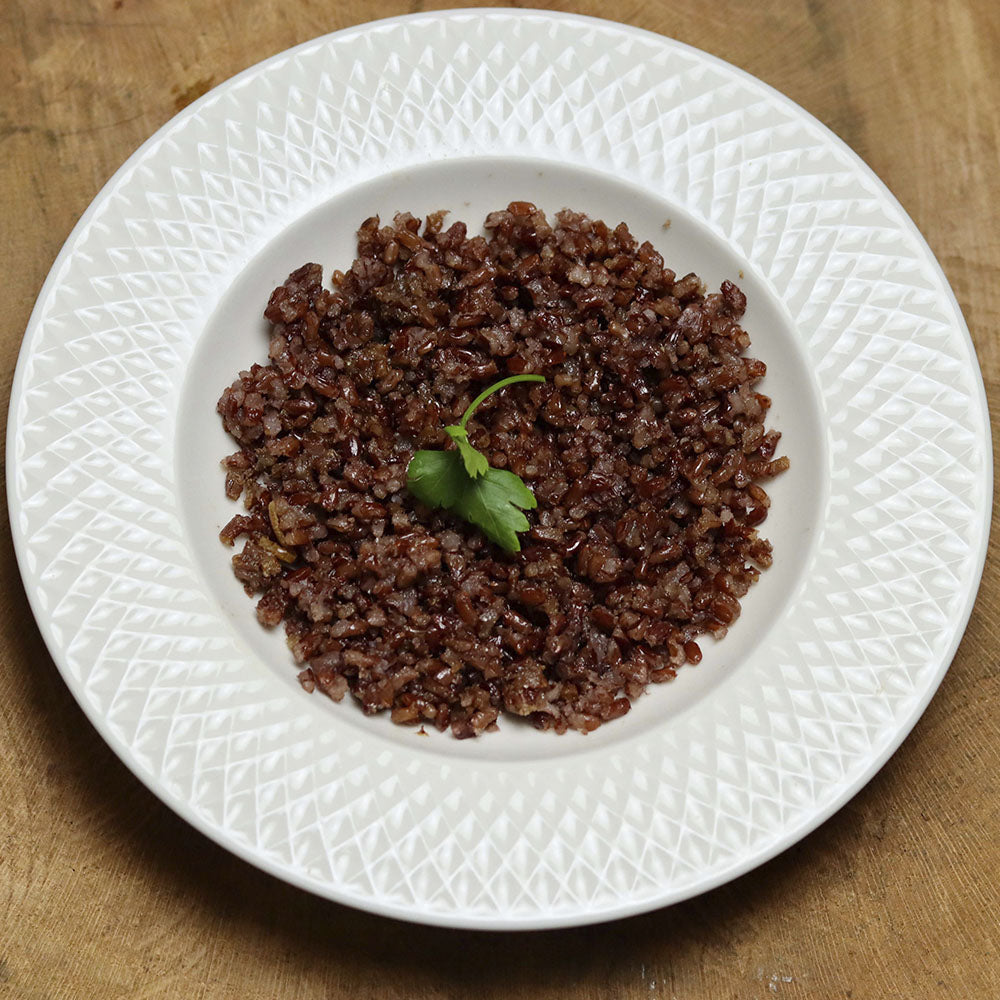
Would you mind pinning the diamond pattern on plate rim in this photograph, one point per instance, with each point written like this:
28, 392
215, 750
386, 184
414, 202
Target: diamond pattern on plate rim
360, 820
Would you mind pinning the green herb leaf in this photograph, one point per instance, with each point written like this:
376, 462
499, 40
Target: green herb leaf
463, 481
475, 461
436, 478
491, 503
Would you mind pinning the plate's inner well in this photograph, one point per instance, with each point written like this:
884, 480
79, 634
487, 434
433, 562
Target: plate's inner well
236, 336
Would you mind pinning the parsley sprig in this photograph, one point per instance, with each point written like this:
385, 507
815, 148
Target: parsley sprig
464, 482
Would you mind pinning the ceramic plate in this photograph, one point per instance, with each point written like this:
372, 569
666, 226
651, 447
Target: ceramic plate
879, 527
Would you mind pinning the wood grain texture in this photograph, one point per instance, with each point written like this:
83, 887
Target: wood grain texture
104, 893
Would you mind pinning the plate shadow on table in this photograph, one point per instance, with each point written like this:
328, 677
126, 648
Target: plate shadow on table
219, 890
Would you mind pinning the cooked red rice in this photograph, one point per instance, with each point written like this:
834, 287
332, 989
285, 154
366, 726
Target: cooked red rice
644, 449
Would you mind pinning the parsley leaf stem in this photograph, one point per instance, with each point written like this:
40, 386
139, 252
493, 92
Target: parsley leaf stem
503, 383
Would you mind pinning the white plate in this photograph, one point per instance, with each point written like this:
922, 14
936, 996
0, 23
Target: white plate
879, 527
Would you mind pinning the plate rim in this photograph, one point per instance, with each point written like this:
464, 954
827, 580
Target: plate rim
337, 892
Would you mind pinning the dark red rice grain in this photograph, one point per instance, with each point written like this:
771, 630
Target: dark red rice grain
643, 447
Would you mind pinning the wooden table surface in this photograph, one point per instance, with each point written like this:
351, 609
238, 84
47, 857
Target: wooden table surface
105, 893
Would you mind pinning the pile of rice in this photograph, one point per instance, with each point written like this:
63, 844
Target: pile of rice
645, 449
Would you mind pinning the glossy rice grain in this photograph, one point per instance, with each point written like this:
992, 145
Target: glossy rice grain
645, 449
